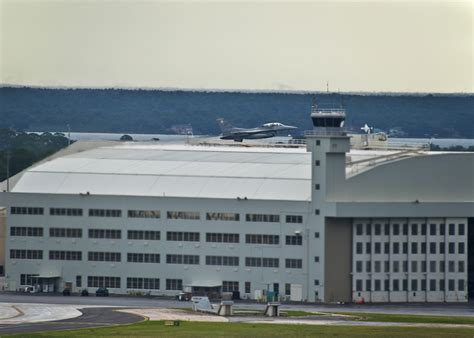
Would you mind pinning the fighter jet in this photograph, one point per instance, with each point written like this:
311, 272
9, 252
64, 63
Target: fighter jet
266, 130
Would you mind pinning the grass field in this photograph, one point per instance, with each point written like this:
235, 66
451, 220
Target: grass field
402, 318
201, 329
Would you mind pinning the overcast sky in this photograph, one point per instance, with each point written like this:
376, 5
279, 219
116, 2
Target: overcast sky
356, 46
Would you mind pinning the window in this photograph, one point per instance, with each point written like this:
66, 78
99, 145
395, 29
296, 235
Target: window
185, 215
442, 229
294, 219
396, 266
144, 214
451, 285
377, 248
387, 229
230, 286
405, 266
378, 229
461, 229
359, 285
414, 248
248, 287
65, 232
461, 266
105, 233
432, 284
423, 285
368, 266
222, 260
405, 284
359, 229
396, 285
386, 285
414, 285
103, 282
133, 257
414, 266
461, 285
317, 186
144, 235
359, 248
432, 248
262, 239
316, 259
28, 279
98, 256
143, 283
386, 266
316, 282
423, 247
182, 236
222, 238
65, 212
433, 229
317, 163
316, 235
287, 289
78, 281
316, 211
405, 247
396, 229
460, 248
174, 284
359, 266
368, 248
423, 266
26, 254
396, 248
262, 218
441, 266
294, 240
368, 229
423, 229
265, 262
452, 229
105, 213
26, 231
377, 266
451, 266
291, 263
451, 248
368, 285
405, 229
26, 211
377, 285
222, 216
386, 248
441, 248
441, 285
182, 259
414, 229
432, 266
65, 255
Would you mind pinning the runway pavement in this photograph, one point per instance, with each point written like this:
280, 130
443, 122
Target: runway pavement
91, 317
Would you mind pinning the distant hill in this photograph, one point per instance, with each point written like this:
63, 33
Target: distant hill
156, 111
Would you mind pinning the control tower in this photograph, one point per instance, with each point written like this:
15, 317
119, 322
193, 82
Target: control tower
328, 143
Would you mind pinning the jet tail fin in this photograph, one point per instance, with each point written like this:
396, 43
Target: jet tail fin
223, 124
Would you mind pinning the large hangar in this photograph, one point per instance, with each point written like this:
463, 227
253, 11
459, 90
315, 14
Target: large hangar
315, 223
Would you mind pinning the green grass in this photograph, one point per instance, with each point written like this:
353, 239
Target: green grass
302, 313
403, 318
201, 329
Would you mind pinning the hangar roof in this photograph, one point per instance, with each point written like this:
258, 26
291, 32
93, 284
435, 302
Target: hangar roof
176, 171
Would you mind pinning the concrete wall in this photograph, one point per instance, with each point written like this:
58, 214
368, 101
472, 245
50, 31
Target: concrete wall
338, 260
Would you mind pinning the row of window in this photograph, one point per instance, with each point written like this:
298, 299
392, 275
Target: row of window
132, 257
155, 235
416, 266
415, 285
185, 215
415, 248
415, 229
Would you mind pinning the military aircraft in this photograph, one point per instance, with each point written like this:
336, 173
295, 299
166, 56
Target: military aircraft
266, 130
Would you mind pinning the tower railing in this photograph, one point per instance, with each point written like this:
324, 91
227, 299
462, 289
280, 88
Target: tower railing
326, 131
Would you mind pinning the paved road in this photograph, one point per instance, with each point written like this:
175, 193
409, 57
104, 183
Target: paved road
447, 309
91, 317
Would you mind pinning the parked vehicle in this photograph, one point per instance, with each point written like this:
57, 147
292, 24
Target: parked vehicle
84, 293
66, 292
102, 292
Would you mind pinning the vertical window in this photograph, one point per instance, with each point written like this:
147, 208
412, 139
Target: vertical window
247, 287
442, 229
414, 285
287, 289
359, 285
368, 229
405, 229
432, 284
396, 285
414, 266
432, 248
359, 248
368, 248
433, 229
452, 229
414, 248
378, 229
359, 229
396, 229
461, 229
78, 281
414, 229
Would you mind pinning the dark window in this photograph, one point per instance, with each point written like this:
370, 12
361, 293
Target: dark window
294, 240
294, 219
230, 286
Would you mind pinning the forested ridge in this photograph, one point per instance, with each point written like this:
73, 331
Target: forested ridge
156, 111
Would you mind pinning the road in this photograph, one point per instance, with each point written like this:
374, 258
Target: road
446, 309
91, 317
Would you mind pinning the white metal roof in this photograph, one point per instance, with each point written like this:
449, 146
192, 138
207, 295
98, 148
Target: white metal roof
175, 171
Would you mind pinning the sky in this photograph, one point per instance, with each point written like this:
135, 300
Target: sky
381, 46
